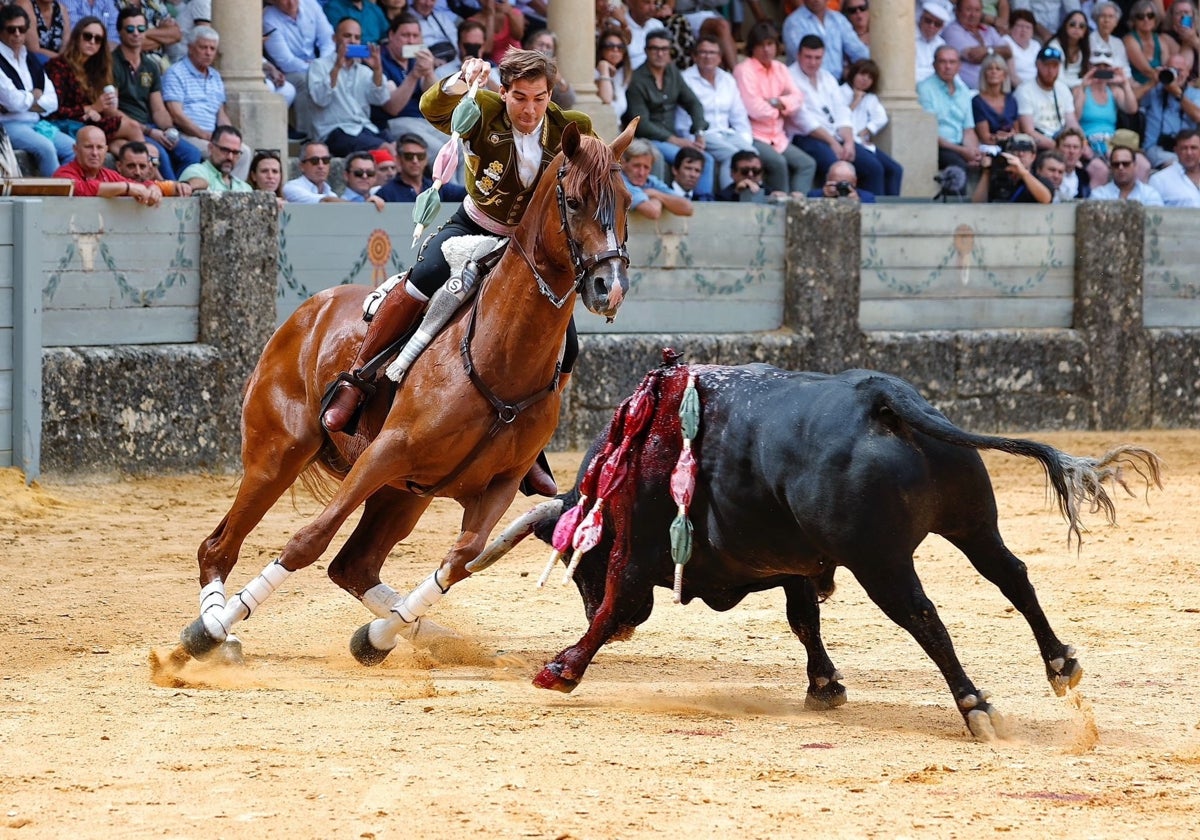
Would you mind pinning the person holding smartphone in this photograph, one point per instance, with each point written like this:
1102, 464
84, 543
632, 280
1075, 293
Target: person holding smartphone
343, 86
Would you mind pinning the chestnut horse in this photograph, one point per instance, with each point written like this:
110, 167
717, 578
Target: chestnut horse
467, 422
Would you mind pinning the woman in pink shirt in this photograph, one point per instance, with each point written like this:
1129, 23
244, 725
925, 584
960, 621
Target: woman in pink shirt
770, 96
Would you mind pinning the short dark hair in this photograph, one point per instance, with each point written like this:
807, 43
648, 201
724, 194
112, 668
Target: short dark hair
415, 139
760, 33
221, 130
129, 11
1021, 14
1048, 154
658, 35
811, 42
528, 64
685, 154
469, 24
1119, 148
12, 12
359, 155
133, 147
1186, 134
401, 19
744, 154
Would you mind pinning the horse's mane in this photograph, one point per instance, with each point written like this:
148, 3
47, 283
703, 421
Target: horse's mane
592, 167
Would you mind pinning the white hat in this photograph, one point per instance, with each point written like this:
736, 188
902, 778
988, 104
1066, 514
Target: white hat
938, 9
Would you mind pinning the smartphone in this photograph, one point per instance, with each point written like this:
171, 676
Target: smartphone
1104, 74
1186, 20
411, 50
358, 51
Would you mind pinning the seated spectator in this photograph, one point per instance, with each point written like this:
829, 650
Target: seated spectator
1077, 180
841, 181
194, 91
342, 90
370, 18
392, 8
1103, 42
135, 162
685, 175
26, 95
1048, 15
311, 186
1181, 28
360, 180
385, 166
1124, 185
706, 21
1045, 106
641, 19
974, 40
106, 10
92, 179
747, 184
651, 196
858, 12
1073, 42
472, 37
299, 32
994, 108
869, 118
81, 73
440, 25
266, 173
612, 70
162, 30
931, 19
1024, 47
1010, 178
410, 179
823, 127
1170, 108
139, 95
189, 14
728, 129
409, 78
1179, 183
655, 92
1103, 91
835, 32
947, 97
1050, 169
50, 25
215, 173
546, 42
1146, 49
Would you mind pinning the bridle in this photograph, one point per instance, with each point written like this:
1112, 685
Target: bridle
606, 215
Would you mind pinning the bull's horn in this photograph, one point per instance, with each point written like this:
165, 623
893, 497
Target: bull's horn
514, 533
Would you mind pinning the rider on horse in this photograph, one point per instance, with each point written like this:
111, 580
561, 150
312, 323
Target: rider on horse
518, 134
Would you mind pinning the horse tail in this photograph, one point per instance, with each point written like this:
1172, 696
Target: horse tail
319, 480
1076, 481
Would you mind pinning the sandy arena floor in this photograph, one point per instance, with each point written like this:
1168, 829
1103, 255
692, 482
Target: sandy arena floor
696, 727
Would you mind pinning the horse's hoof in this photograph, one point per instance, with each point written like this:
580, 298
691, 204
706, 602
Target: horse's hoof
986, 723
829, 696
195, 639
362, 649
551, 677
1064, 674
229, 653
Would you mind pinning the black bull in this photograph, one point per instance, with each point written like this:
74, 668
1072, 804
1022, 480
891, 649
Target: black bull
800, 473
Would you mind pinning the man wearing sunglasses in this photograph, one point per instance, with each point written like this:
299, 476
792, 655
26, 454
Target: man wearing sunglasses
311, 186
411, 180
138, 79
360, 180
215, 174
932, 18
1124, 185
747, 184
162, 30
27, 95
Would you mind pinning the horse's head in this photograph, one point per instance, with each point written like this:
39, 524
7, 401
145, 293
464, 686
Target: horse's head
593, 202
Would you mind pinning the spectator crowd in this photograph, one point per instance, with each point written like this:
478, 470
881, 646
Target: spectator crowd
1034, 100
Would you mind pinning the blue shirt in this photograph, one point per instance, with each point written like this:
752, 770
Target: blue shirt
397, 71
396, 190
841, 42
202, 95
639, 193
1168, 119
953, 110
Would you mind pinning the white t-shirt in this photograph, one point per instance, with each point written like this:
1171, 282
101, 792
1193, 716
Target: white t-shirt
1024, 59
1049, 109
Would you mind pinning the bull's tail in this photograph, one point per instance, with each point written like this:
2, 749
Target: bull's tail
1078, 482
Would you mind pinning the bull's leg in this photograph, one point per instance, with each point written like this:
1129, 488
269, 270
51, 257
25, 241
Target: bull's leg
988, 554
894, 586
804, 616
372, 642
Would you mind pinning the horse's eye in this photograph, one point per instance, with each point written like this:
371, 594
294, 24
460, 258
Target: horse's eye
573, 204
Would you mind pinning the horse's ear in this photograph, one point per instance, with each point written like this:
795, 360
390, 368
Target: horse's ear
570, 140
625, 138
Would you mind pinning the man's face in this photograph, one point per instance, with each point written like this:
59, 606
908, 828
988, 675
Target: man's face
1071, 148
135, 165
203, 52
470, 44
641, 10
1188, 152
1047, 73
707, 56
810, 61
748, 168
90, 149
14, 32
687, 174
842, 171
412, 161
133, 40
385, 170
930, 25
1179, 10
1123, 171
1053, 171
406, 33
360, 175
970, 13
224, 152
348, 32
423, 7
1026, 156
658, 53
315, 163
637, 169
945, 65
526, 102
291, 8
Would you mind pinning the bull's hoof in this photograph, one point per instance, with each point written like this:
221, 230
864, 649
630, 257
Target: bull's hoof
551, 677
196, 641
822, 698
1064, 672
362, 649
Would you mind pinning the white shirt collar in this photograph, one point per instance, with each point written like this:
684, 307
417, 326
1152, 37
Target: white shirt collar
529, 152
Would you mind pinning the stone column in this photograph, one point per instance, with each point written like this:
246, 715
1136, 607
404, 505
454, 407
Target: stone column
574, 21
259, 113
911, 134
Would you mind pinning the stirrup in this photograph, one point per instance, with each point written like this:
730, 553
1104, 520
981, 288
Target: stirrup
354, 381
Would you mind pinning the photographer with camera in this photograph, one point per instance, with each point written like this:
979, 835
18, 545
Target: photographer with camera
1007, 174
841, 181
1171, 107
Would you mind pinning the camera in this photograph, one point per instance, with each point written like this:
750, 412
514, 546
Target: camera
1104, 74
1166, 75
843, 188
990, 151
358, 51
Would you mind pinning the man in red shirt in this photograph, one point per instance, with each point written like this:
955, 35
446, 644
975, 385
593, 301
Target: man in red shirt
92, 179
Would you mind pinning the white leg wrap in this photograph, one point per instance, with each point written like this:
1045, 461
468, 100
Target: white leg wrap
212, 604
418, 602
380, 599
245, 602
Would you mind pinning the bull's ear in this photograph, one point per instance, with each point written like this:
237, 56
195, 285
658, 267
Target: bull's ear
570, 140
625, 138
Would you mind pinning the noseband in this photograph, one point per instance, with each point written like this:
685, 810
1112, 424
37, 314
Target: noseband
606, 215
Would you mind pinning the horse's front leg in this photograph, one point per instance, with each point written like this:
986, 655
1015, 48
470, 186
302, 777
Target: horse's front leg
373, 641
